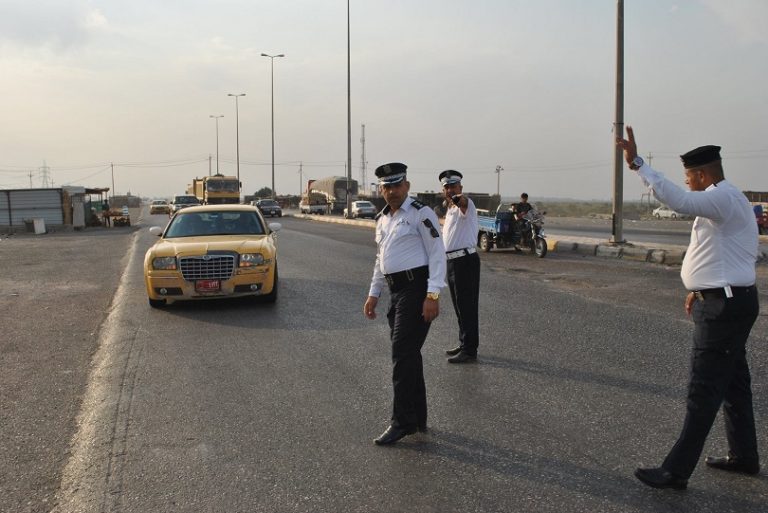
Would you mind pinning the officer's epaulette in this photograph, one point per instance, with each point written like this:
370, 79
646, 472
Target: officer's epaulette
384, 211
418, 205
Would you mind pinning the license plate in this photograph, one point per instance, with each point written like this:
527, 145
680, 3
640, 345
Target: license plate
208, 285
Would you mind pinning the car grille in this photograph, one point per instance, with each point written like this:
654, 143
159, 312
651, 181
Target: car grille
208, 267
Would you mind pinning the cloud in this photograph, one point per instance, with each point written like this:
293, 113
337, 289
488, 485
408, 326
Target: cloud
746, 17
48, 23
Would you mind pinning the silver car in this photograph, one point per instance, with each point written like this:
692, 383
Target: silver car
361, 209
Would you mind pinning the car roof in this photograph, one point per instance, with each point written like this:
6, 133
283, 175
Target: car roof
230, 207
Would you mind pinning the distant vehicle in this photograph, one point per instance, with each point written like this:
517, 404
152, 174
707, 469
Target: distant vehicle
313, 203
667, 213
159, 207
215, 190
334, 189
183, 200
361, 209
268, 207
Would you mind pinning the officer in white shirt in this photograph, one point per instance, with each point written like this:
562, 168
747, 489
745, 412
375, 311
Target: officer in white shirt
410, 260
460, 231
719, 271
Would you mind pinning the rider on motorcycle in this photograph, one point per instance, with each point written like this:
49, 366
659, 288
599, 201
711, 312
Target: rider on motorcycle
519, 210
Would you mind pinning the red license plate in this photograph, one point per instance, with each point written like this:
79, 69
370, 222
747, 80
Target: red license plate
208, 285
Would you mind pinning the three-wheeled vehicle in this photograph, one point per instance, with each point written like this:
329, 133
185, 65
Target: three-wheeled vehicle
505, 230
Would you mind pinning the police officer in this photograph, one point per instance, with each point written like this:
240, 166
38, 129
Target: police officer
410, 260
463, 269
719, 271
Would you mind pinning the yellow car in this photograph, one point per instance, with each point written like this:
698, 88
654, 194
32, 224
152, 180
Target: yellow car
212, 251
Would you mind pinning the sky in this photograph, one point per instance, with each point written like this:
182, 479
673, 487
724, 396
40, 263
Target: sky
93, 89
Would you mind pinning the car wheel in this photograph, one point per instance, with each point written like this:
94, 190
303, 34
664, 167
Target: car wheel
272, 296
157, 303
673, 216
658, 216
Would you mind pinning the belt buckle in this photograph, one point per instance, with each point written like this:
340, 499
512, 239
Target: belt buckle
409, 274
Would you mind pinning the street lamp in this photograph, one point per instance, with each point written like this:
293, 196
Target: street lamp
272, 67
217, 139
237, 132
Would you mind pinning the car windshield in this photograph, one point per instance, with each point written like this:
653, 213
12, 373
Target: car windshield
268, 203
214, 223
186, 199
222, 186
159, 202
366, 204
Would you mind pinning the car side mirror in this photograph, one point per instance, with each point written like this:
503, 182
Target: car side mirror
156, 230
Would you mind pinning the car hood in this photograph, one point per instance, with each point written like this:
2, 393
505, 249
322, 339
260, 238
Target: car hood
194, 246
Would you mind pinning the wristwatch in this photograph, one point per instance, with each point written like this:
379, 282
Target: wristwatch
434, 296
637, 163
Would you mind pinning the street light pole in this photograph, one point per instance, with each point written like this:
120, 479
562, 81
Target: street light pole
217, 139
237, 132
272, 73
349, 119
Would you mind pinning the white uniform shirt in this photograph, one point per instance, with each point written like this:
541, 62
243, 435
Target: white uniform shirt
404, 242
460, 230
723, 247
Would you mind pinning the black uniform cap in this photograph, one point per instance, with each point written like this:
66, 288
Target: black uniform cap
700, 156
391, 173
450, 176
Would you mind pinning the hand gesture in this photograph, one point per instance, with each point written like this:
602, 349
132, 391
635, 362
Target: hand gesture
628, 145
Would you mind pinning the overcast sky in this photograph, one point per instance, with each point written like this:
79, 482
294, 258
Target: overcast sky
463, 84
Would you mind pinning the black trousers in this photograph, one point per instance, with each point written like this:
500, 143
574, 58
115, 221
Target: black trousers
719, 375
408, 331
464, 283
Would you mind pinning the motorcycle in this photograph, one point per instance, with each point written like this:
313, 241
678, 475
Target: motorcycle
531, 225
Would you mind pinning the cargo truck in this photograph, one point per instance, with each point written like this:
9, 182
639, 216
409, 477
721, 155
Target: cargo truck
215, 190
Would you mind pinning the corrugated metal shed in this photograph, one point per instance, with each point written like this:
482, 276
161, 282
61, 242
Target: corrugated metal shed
18, 205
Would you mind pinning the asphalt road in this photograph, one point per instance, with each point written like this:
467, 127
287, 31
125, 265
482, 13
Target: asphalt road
239, 406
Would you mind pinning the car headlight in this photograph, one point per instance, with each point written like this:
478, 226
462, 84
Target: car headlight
251, 259
164, 263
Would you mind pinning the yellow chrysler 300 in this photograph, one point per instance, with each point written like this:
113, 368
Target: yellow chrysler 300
212, 251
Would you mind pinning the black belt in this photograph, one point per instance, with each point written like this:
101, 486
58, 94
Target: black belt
403, 278
721, 293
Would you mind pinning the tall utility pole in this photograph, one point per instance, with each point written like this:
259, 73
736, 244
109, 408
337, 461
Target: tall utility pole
301, 179
349, 119
30, 179
618, 131
237, 132
272, 74
112, 167
217, 139
499, 169
209, 164
363, 162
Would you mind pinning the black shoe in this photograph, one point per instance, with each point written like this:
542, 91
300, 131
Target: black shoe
453, 352
392, 435
462, 358
733, 465
660, 478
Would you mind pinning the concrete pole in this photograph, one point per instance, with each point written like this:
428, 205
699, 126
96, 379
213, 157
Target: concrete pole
349, 120
618, 131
